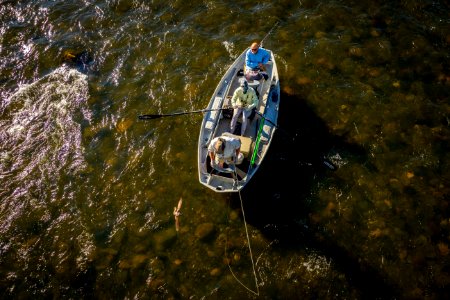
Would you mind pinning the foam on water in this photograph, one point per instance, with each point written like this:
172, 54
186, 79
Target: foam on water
230, 49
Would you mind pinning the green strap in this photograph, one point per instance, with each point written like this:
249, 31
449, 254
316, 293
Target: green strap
258, 138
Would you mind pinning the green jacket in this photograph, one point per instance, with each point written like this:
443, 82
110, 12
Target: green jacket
247, 101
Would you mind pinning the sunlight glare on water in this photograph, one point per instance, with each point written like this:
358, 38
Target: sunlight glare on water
39, 147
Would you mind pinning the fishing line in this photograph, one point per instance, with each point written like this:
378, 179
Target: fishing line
136, 157
270, 31
249, 248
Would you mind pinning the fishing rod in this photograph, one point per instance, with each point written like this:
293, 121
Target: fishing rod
270, 31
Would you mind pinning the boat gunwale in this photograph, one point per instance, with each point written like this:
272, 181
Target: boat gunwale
202, 143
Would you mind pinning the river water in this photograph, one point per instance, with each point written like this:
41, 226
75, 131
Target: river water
88, 190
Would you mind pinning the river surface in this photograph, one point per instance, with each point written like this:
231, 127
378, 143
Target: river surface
87, 191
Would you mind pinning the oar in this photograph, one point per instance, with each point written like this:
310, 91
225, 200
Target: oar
150, 117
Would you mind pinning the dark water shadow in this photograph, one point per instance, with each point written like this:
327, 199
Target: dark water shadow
280, 197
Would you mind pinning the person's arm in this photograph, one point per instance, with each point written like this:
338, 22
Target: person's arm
265, 58
251, 60
211, 153
238, 149
234, 98
254, 100
247, 59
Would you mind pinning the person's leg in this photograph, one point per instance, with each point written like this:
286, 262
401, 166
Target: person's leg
252, 75
245, 115
236, 113
265, 75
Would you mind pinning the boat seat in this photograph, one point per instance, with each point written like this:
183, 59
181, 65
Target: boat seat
227, 113
253, 83
213, 114
246, 146
246, 143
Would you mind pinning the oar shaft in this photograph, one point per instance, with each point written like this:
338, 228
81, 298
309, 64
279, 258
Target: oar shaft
156, 116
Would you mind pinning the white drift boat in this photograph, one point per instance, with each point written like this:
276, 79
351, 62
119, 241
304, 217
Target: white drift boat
258, 135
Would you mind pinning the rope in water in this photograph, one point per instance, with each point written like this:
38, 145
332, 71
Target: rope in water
240, 198
249, 248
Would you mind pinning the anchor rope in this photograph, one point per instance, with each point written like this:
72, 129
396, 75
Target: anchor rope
243, 215
249, 248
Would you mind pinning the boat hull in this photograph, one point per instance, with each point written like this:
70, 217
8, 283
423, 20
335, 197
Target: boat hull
258, 135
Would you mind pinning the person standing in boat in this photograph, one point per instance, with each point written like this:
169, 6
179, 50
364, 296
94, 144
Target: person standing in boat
244, 100
224, 151
255, 59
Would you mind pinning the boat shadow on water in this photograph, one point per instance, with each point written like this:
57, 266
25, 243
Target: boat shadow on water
279, 200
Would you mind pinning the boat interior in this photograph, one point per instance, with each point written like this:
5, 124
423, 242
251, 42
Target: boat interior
257, 136
262, 88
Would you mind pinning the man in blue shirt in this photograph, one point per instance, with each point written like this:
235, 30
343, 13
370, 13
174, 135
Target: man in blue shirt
255, 59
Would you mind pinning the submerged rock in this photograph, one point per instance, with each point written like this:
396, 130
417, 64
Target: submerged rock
123, 125
164, 239
81, 60
215, 272
177, 262
205, 231
124, 264
138, 260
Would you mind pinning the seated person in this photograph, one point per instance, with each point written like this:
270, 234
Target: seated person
244, 100
224, 152
255, 59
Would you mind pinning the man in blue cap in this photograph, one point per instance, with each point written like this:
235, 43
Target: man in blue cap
244, 100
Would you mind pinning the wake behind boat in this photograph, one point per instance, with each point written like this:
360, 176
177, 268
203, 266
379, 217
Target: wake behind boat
258, 135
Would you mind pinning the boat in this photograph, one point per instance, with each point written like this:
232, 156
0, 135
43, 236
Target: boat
256, 139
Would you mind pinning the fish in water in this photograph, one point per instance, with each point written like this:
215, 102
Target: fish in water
177, 213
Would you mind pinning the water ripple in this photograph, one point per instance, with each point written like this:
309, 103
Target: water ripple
42, 136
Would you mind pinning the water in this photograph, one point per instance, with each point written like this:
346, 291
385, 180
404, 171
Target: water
88, 190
